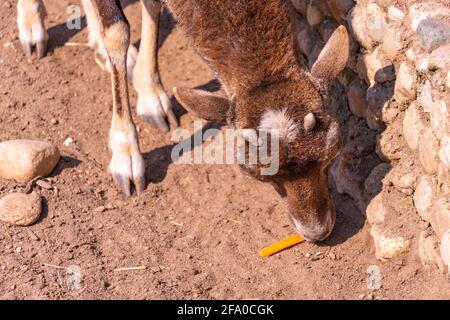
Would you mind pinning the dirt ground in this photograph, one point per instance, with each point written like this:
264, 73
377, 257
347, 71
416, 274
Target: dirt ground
197, 229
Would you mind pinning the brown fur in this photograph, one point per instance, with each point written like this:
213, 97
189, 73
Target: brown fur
250, 45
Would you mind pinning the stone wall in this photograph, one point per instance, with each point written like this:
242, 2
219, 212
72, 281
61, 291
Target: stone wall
393, 102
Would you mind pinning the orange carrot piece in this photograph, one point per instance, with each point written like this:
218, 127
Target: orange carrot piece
281, 245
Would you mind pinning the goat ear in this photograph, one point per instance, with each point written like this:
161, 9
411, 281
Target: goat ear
333, 58
203, 104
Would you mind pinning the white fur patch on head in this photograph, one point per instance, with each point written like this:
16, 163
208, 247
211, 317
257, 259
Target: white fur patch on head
278, 122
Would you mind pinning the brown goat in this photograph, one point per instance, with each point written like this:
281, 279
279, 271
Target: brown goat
250, 44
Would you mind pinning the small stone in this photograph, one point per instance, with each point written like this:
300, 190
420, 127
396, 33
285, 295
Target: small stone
100, 209
395, 14
424, 196
357, 19
378, 98
376, 210
376, 22
372, 63
68, 142
440, 58
54, 121
445, 249
421, 11
20, 209
412, 126
374, 182
411, 55
385, 74
390, 143
440, 216
425, 98
392, 43
388, 247
407, 181
439, 118
429, 251
422, 64
24, 160
433, 33
357, 98
429, 151
444, 152
44, 184
405, 86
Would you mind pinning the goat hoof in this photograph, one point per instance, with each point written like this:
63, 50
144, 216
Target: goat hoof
32, 33
127, 169
155, 108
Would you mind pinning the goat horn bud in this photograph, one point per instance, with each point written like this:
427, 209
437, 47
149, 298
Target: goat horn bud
310, 122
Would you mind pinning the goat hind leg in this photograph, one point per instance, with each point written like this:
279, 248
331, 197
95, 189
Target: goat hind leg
30, 21
153, 103
127, 163
95, 41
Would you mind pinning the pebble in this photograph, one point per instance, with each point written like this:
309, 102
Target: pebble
68, 142
44, 184
433, 33
24, 160
20, 209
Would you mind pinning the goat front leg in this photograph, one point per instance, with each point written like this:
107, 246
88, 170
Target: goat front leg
127, 164
153, 103
30, 21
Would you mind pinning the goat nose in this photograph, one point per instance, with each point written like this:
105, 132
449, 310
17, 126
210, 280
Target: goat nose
316, 231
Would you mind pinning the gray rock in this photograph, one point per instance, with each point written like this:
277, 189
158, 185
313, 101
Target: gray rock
385, 74
433, 33
20, 209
